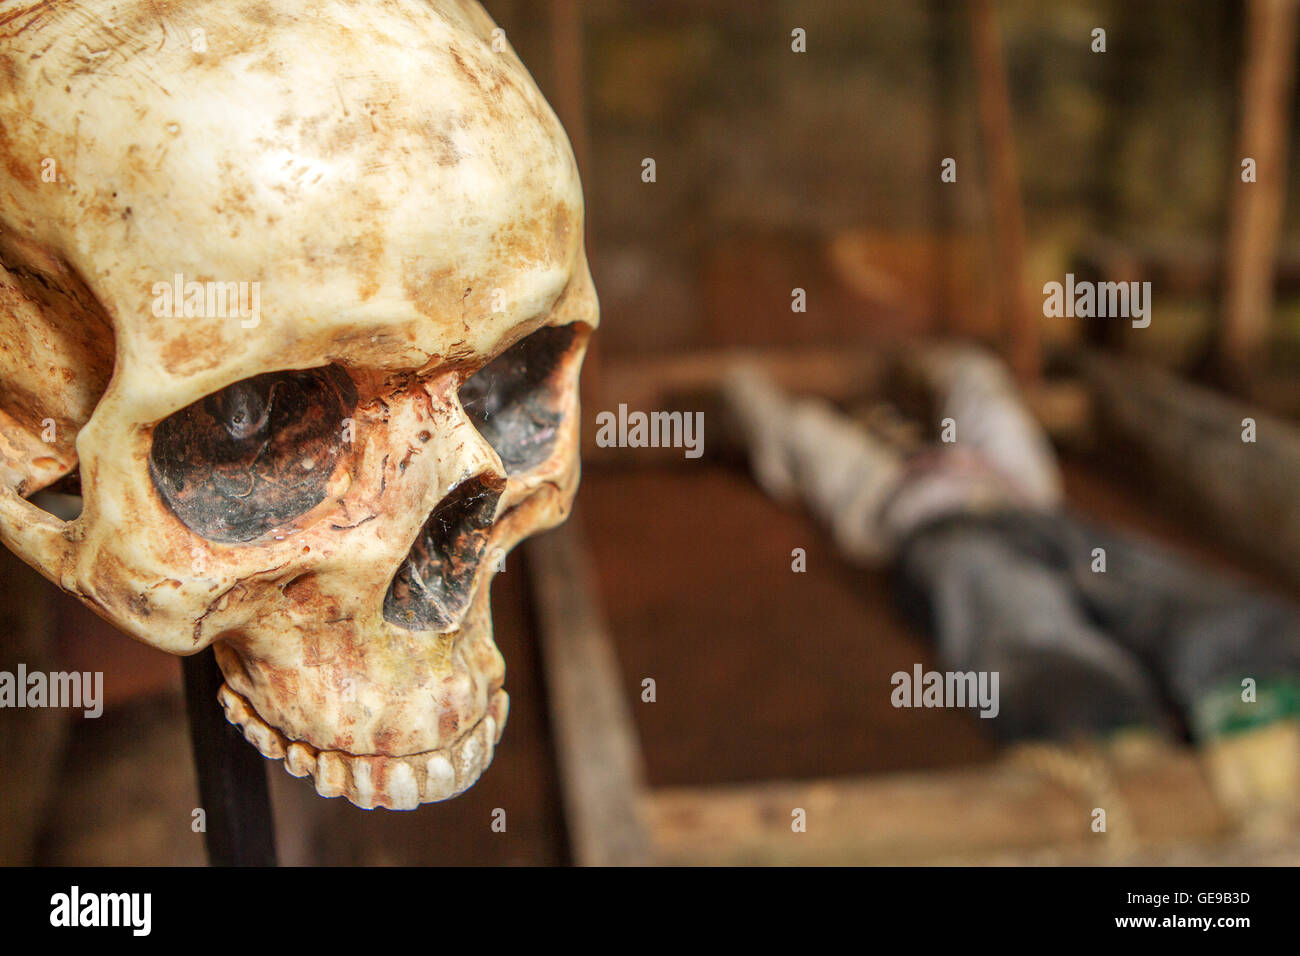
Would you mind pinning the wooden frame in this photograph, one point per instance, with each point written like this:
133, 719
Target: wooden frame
1035, 800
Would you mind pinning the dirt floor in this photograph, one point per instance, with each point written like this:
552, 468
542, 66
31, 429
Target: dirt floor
760, 673
782, 676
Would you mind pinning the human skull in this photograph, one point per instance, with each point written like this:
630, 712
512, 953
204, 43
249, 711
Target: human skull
318, 470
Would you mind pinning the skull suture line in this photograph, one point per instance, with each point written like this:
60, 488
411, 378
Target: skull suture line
322, 487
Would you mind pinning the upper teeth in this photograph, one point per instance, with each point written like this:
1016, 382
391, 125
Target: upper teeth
378, 780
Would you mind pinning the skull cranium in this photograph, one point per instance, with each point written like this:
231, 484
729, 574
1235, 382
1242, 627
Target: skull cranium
322, 480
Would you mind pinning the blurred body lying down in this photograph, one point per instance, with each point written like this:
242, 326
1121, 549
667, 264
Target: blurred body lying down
1010, 581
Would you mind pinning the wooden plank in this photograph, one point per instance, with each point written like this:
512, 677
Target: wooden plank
1256, 212
690, 381
1185, 441
1154, 796
653, 381
1023, 340
565, 29
597, 747
1185, 267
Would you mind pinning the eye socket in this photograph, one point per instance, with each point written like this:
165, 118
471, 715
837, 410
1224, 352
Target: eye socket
245, 460
515, 400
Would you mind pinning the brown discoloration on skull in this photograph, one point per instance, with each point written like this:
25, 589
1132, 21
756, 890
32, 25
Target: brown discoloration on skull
410, 211
434, 292
19, 169
53, 369
365, 256
22, 17
187, 354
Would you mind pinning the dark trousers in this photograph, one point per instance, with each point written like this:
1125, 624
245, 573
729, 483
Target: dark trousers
1080, 651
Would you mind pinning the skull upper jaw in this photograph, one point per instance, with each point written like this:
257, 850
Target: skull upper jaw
389, 720
376, 780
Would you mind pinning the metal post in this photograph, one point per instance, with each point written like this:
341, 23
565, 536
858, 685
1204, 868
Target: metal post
232, 774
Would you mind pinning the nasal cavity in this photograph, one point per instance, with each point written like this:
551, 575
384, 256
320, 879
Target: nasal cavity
435, 584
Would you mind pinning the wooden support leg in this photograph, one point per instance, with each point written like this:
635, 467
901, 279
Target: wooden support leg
598, 751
